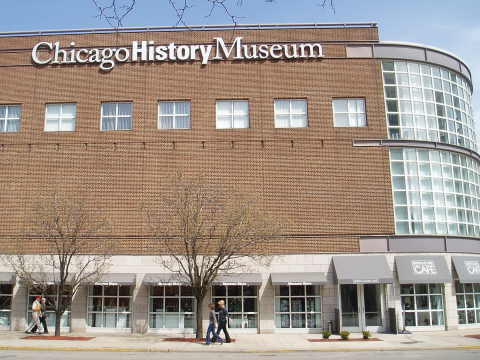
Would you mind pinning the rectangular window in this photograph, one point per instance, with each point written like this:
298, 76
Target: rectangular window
291, 113
172, 307
60, 117
298, 306
6, 291
109, 306
232, 114
117, 116
49, 293
240, 302
349, 113
422, 304
468, 303
174, 115
10, 118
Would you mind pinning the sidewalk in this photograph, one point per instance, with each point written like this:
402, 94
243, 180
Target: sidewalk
246, 343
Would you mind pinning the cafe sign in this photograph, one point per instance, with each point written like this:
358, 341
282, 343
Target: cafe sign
45, 52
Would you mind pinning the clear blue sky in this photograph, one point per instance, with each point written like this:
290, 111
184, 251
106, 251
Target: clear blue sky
452, 25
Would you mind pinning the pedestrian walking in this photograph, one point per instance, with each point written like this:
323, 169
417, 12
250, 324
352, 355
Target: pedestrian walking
43, 316
212, 326
223, 321
36, 311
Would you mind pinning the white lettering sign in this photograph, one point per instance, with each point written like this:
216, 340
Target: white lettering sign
473, 267
45, 52
424, 267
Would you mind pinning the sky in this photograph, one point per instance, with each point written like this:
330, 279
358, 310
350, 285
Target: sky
451, 25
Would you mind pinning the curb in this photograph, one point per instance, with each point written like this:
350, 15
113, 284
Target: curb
111, 349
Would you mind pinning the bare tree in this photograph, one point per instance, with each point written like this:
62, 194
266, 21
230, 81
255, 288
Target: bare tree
115, 11
64, 229
202, 232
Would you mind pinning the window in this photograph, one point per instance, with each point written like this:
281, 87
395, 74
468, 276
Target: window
60, 117
232, 114
172, 307
349, 113
109, 306
468, 303
6, 291
10, 118
429, 103
117, 116
49, 293
291, 113
241, 303
422, 304
298, 306
174, 115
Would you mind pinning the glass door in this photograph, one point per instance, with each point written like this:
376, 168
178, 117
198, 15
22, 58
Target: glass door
372, 306
349, 307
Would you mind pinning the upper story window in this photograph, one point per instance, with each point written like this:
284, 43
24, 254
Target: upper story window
232, 114
60, 117
10, 118
349, 113
117, 116
174, 115
291, 113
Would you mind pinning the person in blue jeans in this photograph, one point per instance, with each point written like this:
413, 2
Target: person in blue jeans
212, 326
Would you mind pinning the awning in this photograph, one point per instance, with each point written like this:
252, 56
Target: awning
362, 269
116, 279
298, 278
422, 269
49, 278
468, 268
7, 278
165, 279
238, 279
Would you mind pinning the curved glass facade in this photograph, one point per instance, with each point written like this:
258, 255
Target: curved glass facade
429, 103
435, 192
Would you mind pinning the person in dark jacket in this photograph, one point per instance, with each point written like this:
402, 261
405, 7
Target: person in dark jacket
223, 320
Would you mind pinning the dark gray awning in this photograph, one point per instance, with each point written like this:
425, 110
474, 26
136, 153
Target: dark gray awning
7, 278
165, 279
116, 279
298, 278
422, 269
362, 269
48, 278
239, 279
468, 268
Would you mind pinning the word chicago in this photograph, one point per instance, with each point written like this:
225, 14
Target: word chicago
45, 53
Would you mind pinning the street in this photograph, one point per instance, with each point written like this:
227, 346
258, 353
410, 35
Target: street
371, 355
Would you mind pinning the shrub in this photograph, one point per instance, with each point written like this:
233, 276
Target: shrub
344, 334
366, 334
326, 334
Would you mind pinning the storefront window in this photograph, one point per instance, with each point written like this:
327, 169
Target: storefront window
6, 291
109, 306
49, 293
241, 303
422, 304
298, 306
172, 307
468, 303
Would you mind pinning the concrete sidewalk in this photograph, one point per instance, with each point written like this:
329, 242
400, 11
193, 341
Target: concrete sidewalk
246, 343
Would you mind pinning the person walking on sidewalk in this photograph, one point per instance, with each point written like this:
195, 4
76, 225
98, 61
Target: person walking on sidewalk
223, 321
212, 326
36, 311
43, 316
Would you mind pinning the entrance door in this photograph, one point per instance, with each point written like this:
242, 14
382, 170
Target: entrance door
361, 307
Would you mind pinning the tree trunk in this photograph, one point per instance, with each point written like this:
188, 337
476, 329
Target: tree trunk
199, 317
58, 319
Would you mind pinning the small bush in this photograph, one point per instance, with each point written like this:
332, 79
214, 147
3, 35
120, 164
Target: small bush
366, 334
344, 334
326, 334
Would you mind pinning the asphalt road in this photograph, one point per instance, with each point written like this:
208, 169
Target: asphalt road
370, 355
